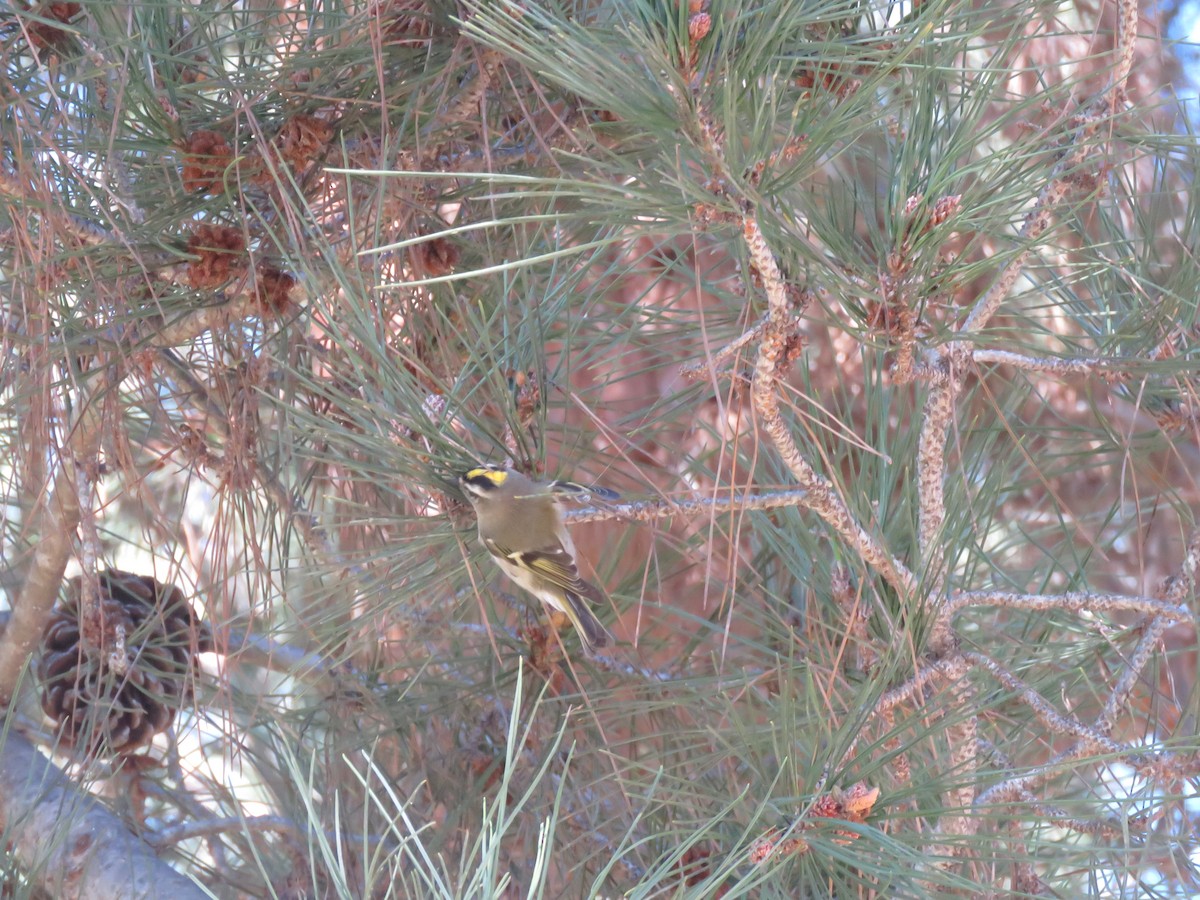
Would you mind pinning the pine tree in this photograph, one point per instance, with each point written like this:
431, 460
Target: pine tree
881, 319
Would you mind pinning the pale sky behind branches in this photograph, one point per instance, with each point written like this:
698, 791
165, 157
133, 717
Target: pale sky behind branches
1185, 29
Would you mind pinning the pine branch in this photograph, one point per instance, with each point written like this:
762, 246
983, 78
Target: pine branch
76, 847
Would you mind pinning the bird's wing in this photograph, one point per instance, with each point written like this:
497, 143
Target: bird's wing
552, 563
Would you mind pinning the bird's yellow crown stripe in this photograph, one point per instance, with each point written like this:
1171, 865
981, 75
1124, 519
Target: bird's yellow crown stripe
495, 476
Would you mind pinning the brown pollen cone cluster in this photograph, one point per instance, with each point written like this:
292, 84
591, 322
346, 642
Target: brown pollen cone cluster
45, 36
206, 157
221, 252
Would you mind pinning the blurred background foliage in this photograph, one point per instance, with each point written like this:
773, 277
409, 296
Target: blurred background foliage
305, 262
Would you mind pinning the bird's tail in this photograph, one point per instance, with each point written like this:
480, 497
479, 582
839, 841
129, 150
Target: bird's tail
591, 632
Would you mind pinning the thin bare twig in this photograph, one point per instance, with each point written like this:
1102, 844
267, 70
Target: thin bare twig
1053, 365
712, 363
823, 498
1046, 714
649, 510
1072, 602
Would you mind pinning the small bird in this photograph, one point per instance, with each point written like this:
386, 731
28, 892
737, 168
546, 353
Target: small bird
521, 524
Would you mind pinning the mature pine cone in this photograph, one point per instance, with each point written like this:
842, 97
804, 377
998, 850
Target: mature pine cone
106, 700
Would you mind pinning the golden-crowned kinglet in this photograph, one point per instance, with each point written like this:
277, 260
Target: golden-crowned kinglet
520, 523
